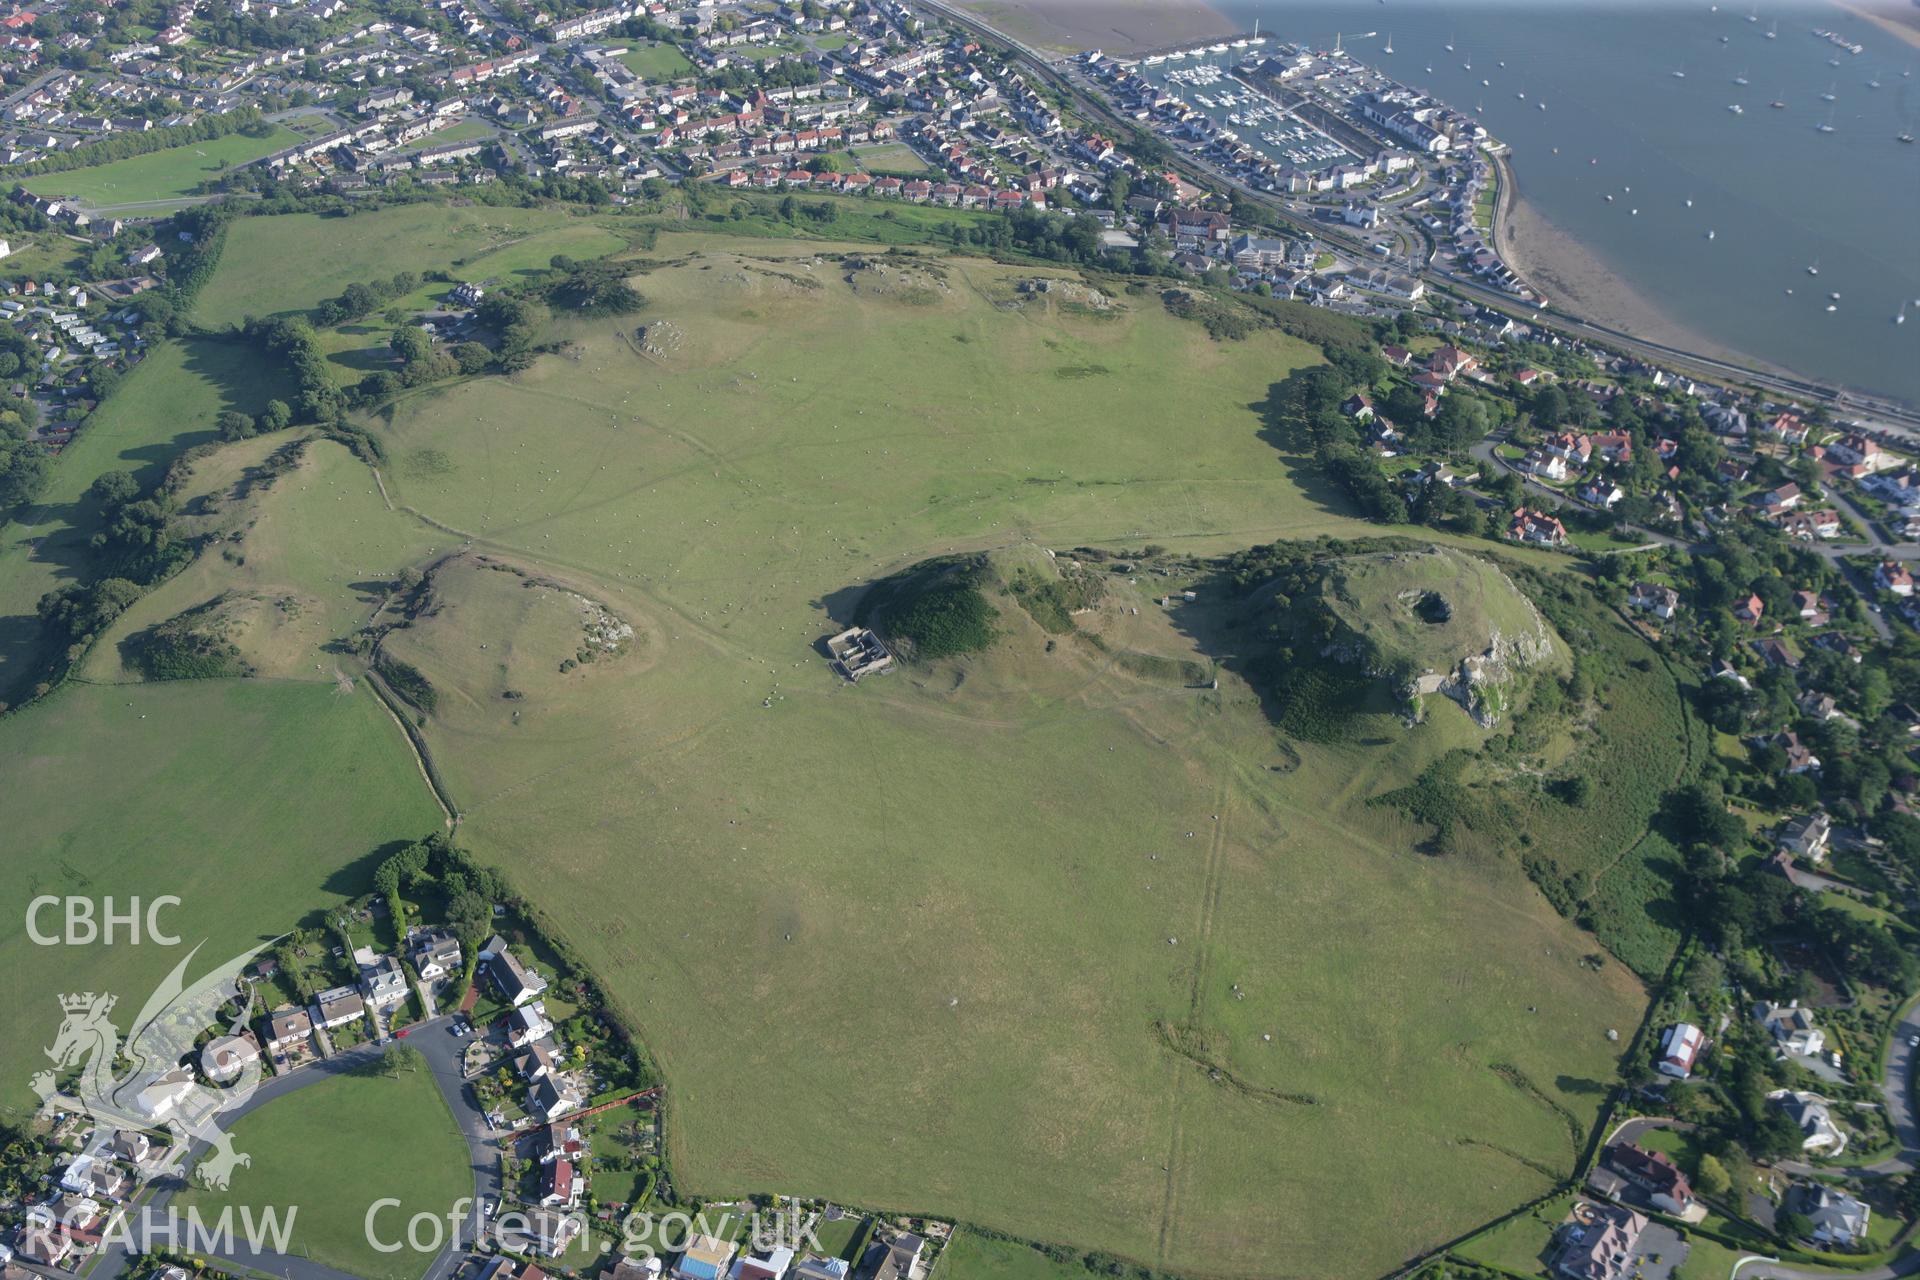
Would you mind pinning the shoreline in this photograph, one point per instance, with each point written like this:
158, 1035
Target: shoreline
1117, 26
1903, 24
1579, 285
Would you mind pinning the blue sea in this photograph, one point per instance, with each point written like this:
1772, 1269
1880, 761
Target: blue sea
1778, 193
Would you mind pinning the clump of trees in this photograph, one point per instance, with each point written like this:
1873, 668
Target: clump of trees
359, 300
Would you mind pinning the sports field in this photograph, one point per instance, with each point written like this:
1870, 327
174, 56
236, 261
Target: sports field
259, 804
159, 175
332, 1150
657, 62
1049, 939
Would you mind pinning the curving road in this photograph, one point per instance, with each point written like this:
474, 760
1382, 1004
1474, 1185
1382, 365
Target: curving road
443, 1053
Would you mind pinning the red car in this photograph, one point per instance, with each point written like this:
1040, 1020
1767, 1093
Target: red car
401, 1034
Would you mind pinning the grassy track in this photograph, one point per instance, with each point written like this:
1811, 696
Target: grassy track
159, 175
256, 803
332, 1150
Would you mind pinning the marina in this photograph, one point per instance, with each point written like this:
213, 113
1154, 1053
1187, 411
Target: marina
1623, 118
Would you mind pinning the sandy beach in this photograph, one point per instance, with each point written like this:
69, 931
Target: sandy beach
1580, 284
1901, 21
1116, 26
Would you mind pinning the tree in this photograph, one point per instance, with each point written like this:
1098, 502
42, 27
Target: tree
276, 416
1711, 1177
398, 1058
411, 344
234, 426
114, 487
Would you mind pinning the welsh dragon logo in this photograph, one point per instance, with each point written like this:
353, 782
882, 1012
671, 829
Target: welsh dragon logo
145, 1084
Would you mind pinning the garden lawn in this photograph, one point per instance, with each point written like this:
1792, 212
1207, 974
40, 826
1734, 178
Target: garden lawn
890, 157
260, 805
159, 175
332, 1150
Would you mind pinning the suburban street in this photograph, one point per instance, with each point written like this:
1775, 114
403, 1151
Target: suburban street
442, 1053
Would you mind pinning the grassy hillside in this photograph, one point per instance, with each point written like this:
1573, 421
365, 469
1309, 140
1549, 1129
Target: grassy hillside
257, 803
165, 405
160, 175
1054, 936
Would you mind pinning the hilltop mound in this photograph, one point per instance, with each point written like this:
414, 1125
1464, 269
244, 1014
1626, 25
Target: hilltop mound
482, 631
1435, 621
224, 636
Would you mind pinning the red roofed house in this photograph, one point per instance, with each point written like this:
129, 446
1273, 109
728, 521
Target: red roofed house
1892, 576
1654, 1173
1451, 362
1750, 610
557, 1186
1679, 1047
1537, 527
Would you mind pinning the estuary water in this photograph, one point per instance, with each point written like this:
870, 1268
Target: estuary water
1636, 102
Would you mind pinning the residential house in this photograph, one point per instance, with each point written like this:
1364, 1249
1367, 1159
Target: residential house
1680, 1046
1547, 466
772, 1264
1450, 362
1792, 1027
527, 1024
534, 1065
1600, 1248
435, 955
1652, 597
1654, 1173
1776, 653
1775, 501
1358, 407
1837, 1217
1807, 837
1857, 450
1800, 757
517, 982
559, 1188
1750, 610
1819, 1134
705, 1258
902, 1252
1891, 575
288, 1030
225, 1057
813, 1267
338, 1006
382, 981
1538, 528
555, 1096
1600, 493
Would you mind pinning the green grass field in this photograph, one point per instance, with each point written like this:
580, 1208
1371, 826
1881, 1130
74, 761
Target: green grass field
657, 62
165, 405
159, 175
1046, 939
276, 266
332, 1150
890, 157
258, 804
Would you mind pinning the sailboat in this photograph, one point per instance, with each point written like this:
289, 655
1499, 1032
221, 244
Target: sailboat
1388, 48
1905, 137
1773, 32
1826, 126
1449, 43
1753, 15
1736, 108
1741, 79
1679, 73
1828, 95
1813, 268
1900, 316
